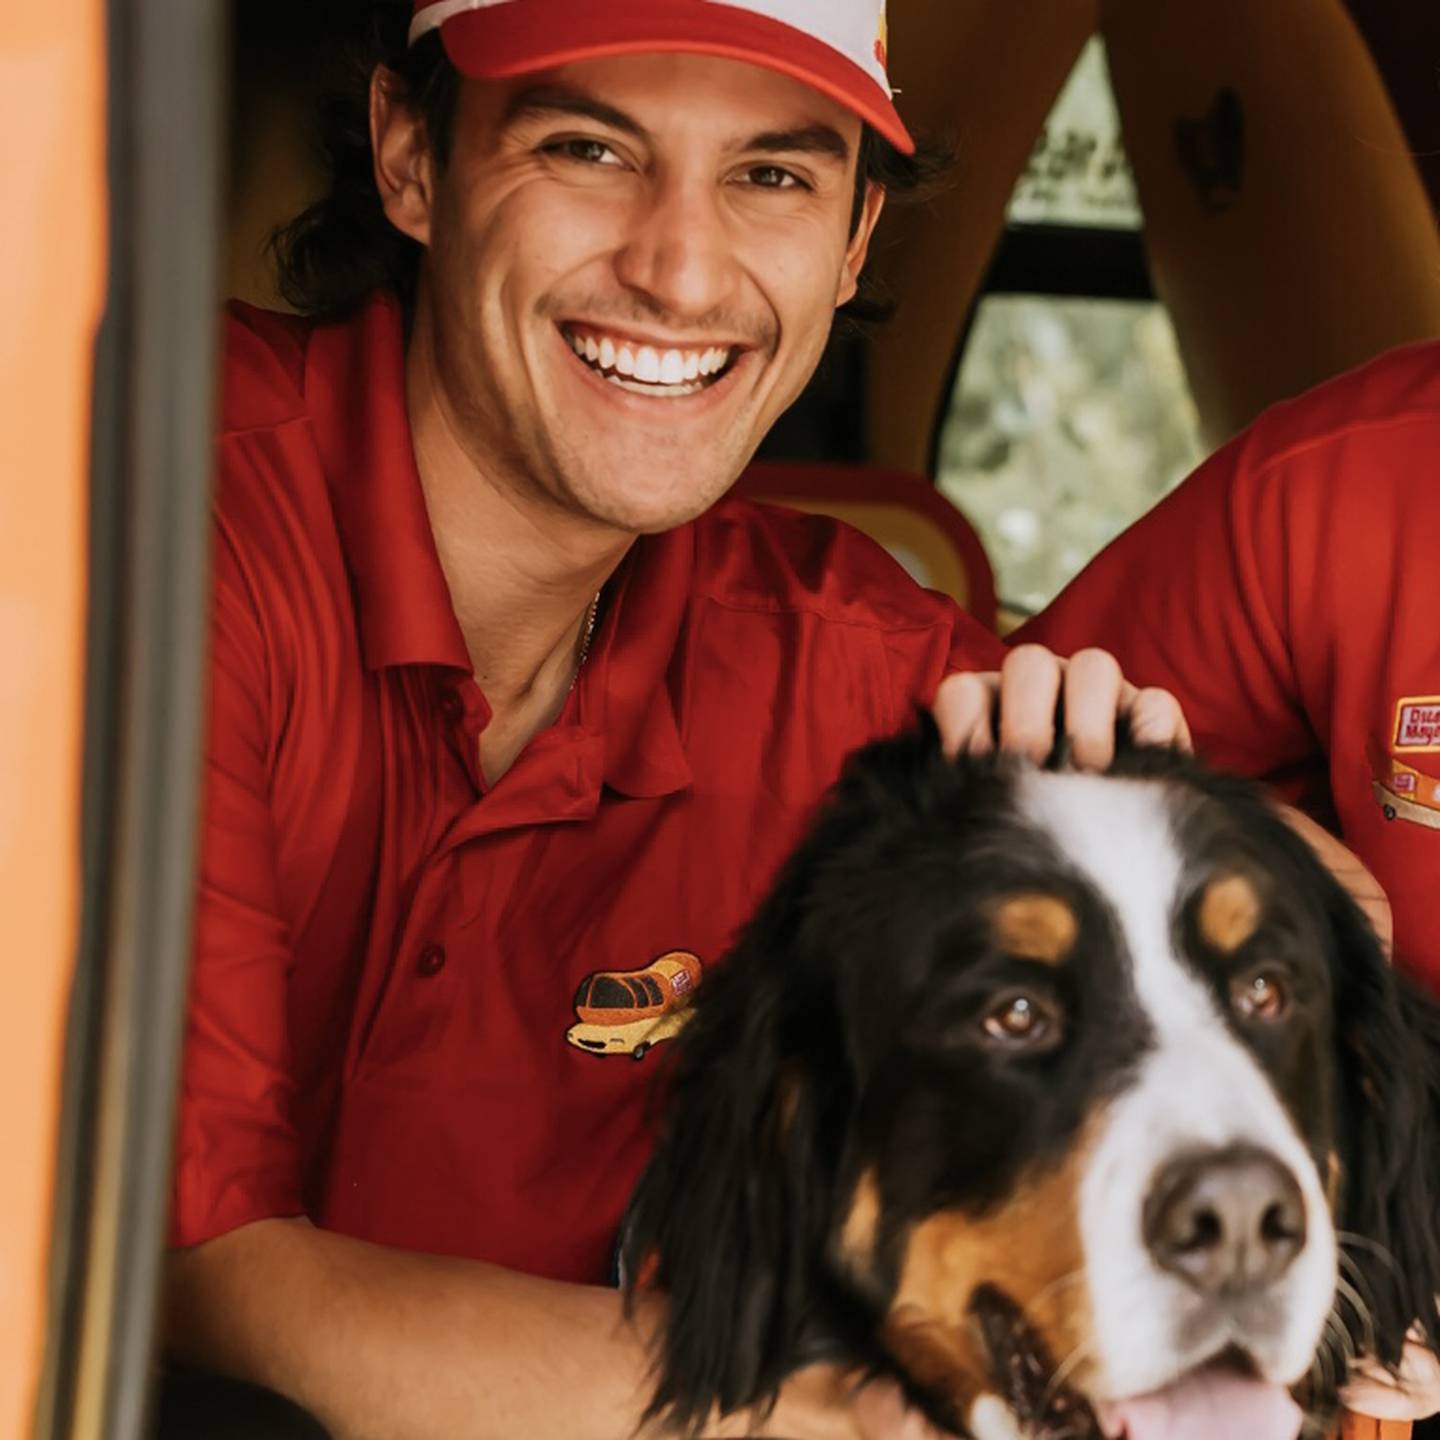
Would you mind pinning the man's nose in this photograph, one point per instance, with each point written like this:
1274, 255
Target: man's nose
1226, 1221
681, 253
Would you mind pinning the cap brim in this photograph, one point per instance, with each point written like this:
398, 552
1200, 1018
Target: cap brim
500, 42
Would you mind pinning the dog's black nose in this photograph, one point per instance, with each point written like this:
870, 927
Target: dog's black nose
1227, 1221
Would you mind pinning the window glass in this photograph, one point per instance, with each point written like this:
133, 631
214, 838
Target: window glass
1078, 173
1069, 419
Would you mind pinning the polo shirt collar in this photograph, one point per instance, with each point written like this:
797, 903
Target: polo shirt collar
355, 395
356, 398
626, 688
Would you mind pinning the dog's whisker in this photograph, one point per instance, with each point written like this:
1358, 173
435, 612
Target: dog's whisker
1338, 1340
1358, 1279
1362, 1311
1348, 1239
1343, 1337
1337, 1348
1064, 1370
1071, 1277
1324, 1354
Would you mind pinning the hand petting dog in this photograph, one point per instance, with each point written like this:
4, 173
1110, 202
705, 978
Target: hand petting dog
1020, 704
1411, 1393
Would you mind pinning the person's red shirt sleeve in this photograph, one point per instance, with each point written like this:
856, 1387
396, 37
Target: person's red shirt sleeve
1196, 597
236, 1151
1287, 594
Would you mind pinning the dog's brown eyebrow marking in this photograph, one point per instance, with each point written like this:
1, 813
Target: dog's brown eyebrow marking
861, 1228
1036, 926
1229, 913
1334, 1177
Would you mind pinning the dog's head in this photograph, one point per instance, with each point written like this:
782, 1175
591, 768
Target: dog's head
1055, 1097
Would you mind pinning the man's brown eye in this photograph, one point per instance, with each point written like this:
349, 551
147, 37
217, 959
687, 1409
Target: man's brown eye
1260, 995
1021, 1020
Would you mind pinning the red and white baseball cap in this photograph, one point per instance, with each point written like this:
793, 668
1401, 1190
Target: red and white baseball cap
837, 46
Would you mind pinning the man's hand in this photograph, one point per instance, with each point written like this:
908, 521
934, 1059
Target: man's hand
1021, 701
1413, 1394
826, 1402
1019, 704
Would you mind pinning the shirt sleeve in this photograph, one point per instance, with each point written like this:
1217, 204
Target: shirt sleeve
236, 1150
1286, 593
919, 659
1194, 598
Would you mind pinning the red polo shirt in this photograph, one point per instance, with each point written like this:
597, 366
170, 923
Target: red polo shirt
1289, 594
393, 1026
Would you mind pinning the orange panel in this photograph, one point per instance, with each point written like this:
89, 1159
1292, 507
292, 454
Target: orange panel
52, 81
1357, 1428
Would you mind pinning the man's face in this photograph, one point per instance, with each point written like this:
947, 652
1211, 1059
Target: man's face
632, 267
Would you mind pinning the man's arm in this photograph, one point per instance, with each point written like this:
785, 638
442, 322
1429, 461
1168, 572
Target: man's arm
380, 1343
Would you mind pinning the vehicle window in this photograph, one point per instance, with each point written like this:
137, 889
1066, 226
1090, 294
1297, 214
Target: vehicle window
1070, 418
1070, 414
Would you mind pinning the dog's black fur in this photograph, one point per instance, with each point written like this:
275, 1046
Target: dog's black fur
777, 1078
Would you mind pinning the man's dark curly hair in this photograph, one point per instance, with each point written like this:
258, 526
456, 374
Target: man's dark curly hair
343, 248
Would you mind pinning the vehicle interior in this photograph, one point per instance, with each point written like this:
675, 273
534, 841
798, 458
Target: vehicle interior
1154, 221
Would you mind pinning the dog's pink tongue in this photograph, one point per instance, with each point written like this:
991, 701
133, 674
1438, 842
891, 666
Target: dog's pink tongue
1206, 1405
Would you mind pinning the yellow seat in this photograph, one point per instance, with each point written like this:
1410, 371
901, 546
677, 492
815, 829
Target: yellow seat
935, 543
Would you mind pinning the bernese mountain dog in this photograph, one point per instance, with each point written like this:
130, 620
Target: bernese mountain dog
1080, 1105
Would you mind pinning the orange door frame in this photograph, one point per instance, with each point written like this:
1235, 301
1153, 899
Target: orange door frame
52, 267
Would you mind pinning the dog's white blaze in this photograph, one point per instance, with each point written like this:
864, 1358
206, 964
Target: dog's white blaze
1197, 1087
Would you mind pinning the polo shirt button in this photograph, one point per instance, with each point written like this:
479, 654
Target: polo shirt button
452, 706
431, 961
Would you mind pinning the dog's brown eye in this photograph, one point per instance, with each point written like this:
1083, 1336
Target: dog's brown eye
1020, 1020
1260, 995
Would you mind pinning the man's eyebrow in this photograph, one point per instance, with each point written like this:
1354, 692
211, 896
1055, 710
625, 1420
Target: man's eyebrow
807, 140
562, 100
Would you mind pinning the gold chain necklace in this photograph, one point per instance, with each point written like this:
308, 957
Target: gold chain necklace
585, 639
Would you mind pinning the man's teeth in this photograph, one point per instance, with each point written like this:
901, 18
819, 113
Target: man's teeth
648, 369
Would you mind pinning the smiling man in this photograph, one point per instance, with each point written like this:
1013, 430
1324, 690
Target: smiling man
512, 714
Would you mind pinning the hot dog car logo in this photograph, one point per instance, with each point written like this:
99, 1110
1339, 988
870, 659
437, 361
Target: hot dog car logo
1408, 788
629, 1012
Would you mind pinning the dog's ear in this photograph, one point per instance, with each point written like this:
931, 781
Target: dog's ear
1388, 1039
729, 1219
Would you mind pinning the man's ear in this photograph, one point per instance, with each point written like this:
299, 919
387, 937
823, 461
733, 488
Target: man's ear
404, 172
859, 246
